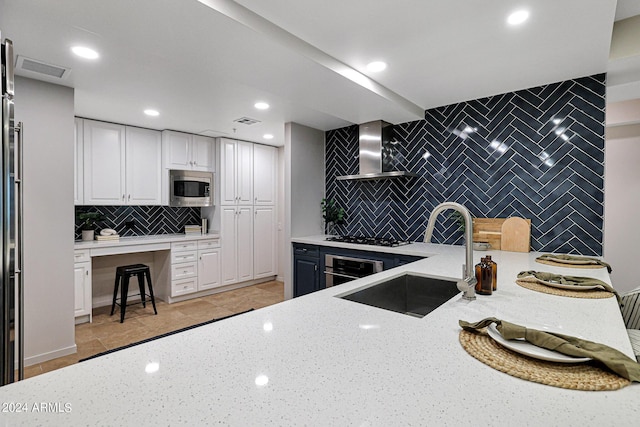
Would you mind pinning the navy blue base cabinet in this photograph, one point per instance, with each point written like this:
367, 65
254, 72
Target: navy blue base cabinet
306, 269
309, 264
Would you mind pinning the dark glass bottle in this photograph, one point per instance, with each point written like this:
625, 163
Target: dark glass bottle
483, 276
494, 272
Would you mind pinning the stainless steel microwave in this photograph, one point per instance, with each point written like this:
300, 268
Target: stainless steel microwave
190, 188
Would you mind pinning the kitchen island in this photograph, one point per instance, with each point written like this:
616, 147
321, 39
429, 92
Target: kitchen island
323, 360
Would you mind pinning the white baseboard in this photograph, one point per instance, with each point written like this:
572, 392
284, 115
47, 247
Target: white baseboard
280, 278
39, 358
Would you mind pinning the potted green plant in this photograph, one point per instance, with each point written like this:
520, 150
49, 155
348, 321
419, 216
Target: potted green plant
332, 215
89, 223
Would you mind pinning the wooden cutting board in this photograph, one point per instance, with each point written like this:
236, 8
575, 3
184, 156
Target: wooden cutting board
516, 235
488, 230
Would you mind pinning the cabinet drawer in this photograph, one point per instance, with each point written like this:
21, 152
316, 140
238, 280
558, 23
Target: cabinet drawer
184, 270
81, 255
186, 256
206, 244
306, 250
183, 287
184, 246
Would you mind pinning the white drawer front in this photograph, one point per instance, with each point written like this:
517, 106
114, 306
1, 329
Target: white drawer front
180, 257
81, 255
184, 246
206, 244
183, 287
184, 271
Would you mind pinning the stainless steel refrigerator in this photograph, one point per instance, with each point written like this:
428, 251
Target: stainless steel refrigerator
11, 290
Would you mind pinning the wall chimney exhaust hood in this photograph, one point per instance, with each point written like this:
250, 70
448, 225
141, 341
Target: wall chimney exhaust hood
378, 153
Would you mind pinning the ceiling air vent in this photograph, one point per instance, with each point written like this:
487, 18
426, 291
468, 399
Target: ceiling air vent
39, 67
247, 121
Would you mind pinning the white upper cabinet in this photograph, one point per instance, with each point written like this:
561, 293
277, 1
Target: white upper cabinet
185, 151
236, 172
203, 153
78, 161
104, 163
143, 160
265, 160
244, 173
122, 165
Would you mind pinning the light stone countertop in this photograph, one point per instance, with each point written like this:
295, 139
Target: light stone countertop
143, 240
321, 360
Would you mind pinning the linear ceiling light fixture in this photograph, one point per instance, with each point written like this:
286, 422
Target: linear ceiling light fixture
250, 19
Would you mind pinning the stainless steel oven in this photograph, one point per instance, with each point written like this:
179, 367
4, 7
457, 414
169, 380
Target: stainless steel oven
342, 269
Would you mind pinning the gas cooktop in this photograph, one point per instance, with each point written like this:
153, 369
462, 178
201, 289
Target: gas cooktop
362, 240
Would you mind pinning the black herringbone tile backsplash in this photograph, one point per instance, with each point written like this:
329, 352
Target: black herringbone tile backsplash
535, 153
146, 219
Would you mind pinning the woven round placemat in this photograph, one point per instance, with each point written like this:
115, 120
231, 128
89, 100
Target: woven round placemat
560, 264
539, 287
575, 376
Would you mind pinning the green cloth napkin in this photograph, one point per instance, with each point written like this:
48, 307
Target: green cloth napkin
615, 360
574, 260
544, 276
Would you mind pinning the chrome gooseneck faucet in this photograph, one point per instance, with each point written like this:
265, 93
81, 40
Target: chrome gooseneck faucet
468, 282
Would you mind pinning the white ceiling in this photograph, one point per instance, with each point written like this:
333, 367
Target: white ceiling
202, 69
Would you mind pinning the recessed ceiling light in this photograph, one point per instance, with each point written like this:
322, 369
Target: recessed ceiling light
150, 112
376, 66
261, 105
85, 52
518, 17
267, 136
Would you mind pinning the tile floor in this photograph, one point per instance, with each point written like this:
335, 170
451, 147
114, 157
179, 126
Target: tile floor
106, 332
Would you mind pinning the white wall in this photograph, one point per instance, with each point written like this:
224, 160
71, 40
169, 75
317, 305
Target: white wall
622, 205
304, 189
47, 113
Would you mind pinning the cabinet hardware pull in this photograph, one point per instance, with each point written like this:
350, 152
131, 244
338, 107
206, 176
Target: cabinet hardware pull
87, 272
123, 197
129, 197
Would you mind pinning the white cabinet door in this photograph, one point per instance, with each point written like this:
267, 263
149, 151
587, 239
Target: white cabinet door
244, 233
228, 172
177, 150
82, 288
185, 151
143, 159
264, 241
209, 269
244, 173
229, 245
78, 178
264, 174
203, 153
104, 163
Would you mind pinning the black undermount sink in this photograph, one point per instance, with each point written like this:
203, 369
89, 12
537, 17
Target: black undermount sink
408, 294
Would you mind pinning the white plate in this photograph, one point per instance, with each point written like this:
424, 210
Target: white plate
528, 349
571, 287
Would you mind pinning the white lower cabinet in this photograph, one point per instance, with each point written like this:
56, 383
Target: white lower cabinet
195, 266
237, 243
209, 269
82, 285
264, 242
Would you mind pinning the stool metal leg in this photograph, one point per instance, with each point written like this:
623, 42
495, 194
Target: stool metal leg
141, 286
123, 297
115, 294
153, 299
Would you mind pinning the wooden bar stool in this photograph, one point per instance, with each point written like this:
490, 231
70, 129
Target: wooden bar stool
125, 273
